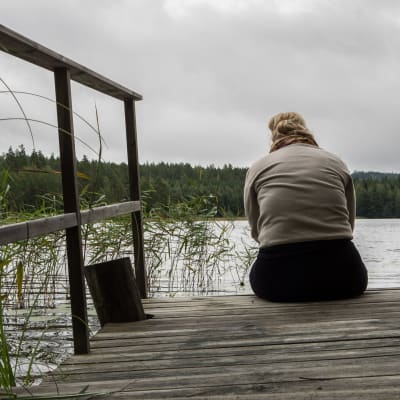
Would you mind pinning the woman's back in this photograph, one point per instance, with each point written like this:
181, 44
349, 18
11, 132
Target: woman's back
299, 193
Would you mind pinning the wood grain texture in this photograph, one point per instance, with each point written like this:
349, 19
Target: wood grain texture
113, 210
135, 195
43, 226
240, 347
71, 204
114, 291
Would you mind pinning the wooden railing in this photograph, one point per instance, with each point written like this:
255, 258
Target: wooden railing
64, 71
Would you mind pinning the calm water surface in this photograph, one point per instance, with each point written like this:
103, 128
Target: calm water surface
378, 241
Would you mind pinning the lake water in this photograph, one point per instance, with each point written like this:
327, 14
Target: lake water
378, 241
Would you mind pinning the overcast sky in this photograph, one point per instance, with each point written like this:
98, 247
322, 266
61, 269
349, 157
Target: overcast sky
212, 73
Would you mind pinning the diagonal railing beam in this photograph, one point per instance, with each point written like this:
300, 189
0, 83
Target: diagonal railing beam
20, 46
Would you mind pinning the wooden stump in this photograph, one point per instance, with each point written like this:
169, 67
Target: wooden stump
114, 291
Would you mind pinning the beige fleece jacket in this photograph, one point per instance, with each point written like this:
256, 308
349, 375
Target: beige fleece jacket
299, 193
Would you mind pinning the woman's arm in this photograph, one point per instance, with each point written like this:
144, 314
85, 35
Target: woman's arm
251, 208
351, 201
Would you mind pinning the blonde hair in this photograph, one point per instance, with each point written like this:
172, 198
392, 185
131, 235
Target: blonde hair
288, 128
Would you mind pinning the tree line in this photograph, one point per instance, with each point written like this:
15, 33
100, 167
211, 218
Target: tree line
32, 181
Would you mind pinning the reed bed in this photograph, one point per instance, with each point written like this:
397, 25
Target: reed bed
187, 251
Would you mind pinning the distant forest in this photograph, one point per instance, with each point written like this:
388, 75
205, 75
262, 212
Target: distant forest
32, 181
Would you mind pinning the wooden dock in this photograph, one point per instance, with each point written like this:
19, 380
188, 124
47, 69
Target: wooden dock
240, 347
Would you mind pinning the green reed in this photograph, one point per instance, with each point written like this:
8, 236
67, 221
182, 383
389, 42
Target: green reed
7, 376
186, 246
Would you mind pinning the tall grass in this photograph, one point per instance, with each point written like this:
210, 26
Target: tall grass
7, 377
187, 250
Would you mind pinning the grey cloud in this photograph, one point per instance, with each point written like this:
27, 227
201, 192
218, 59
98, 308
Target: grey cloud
212, 78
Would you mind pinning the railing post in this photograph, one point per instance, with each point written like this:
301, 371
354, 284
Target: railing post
71, 204
134, 188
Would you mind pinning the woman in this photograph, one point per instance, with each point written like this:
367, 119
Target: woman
299, 200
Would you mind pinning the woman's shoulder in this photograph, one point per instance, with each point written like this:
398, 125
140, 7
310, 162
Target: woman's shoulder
311, 151
257, 168
334, 158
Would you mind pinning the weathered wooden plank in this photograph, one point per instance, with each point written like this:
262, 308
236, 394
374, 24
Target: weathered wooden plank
249, 386
281, 309
268, 306
51, 224
216, 346
71, 205
113, 210
13, 232
261, 392
30, 229
179, 312
253, 301
271, 371
20, 46
236, 322
253, 315
159, 324
218, 360
43, 226
254, 327
226, 340
245, 386
116, 354
371, 295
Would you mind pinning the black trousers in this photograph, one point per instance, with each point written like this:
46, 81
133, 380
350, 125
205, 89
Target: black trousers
309, 271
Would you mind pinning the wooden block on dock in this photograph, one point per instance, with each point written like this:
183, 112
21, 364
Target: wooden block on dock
114, 291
